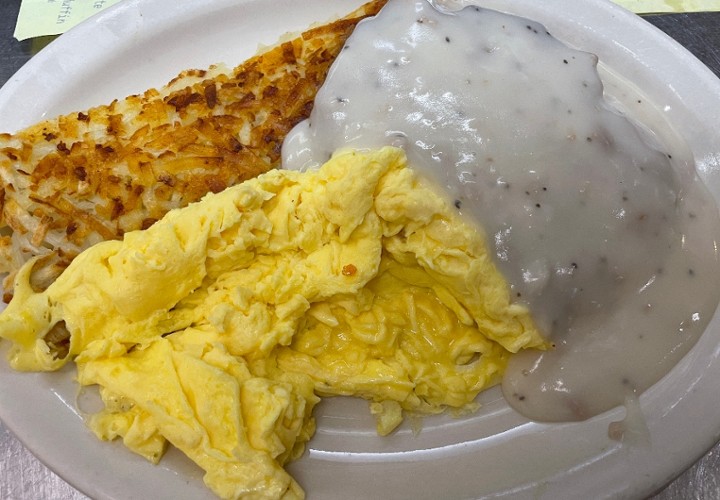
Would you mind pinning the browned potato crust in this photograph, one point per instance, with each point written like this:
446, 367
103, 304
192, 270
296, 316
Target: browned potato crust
90, 176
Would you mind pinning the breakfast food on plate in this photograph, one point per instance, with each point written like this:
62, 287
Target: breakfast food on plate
591, 223
75, 180
218, 326
215, 328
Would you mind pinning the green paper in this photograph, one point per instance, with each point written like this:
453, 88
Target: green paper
657, 6
52, 17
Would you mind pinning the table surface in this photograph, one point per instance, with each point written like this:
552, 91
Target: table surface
23, 477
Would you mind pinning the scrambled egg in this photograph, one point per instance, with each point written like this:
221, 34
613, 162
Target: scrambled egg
218, 329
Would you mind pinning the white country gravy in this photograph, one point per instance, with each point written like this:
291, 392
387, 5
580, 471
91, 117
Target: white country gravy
609, 241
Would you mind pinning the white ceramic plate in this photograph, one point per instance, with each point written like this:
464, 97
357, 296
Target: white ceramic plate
143, 43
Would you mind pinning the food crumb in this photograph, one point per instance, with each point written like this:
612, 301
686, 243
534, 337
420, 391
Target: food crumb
349, 270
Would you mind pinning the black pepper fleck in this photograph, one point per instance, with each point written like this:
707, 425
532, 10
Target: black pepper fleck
691, 272
537, 205
447, 39
588, 139
565, 61
458, 204
574, 265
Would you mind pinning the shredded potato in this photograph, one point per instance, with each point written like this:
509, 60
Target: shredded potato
76, 180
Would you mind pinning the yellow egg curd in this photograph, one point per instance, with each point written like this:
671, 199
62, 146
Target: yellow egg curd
218, 328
